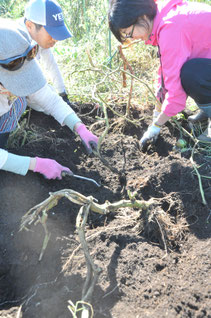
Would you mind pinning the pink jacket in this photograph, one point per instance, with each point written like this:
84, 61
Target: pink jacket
183, 31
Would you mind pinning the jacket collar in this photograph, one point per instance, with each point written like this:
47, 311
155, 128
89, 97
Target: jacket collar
163, 7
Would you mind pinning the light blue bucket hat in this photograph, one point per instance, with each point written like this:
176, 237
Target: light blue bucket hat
14, 41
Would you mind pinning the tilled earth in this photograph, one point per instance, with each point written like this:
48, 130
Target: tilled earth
150, 266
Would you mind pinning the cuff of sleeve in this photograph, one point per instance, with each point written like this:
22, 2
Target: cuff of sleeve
71, 120
17, 164
156, 125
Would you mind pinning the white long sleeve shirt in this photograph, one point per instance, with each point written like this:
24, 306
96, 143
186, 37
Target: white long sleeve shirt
51, 67
47, 59
47, 99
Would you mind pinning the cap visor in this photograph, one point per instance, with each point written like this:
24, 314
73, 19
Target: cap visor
58, 33
25, 81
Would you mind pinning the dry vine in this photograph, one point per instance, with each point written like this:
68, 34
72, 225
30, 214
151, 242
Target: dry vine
151, 220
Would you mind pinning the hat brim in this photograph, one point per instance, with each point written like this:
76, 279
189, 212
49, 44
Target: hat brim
58, 33
25, 81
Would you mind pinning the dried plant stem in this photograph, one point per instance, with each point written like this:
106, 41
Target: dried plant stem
89, 57
127, 65
162, 235
134, 122
143, 82
97, 153
92, 236
184, 130
32, 215
88, 203
93, 271
199, 177
88, 69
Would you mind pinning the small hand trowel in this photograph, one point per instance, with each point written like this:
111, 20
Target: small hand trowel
71, 174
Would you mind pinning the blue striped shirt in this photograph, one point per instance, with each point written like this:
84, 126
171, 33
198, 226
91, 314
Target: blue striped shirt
9, 121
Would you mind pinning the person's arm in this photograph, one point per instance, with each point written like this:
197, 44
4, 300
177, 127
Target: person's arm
51, 103
175, 51
51, 66
161, 119
14, 163
54, 105
49, 168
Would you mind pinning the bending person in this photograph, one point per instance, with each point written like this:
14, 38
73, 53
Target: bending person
182, 32
44, 22
22, 82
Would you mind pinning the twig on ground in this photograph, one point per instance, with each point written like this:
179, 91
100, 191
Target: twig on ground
31, 216
89, 238
111, 291
162, 235
93, 271
209, 215
184, 130
199, 177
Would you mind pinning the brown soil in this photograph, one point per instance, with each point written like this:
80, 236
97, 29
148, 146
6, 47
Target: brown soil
149, 269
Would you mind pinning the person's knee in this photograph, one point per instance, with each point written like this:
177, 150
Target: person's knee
194, 76
188, 76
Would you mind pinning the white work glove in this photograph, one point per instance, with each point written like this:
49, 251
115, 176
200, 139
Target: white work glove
149, 137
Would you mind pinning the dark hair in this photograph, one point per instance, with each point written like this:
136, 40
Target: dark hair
37, 26
124, 13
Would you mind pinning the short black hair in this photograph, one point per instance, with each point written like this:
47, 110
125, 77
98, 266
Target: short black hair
37, 26
124, 13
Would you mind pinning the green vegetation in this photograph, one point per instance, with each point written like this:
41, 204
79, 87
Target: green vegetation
90, 61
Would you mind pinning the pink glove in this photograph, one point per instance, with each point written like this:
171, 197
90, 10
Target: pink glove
51, 169
89, 140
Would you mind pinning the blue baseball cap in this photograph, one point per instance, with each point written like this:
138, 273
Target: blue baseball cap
49, 14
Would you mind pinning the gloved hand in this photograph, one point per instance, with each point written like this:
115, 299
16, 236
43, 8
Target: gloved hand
51, 169
89, 139
150, 136
65, 98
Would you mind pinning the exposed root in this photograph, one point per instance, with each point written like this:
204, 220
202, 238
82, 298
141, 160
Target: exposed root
158, 226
